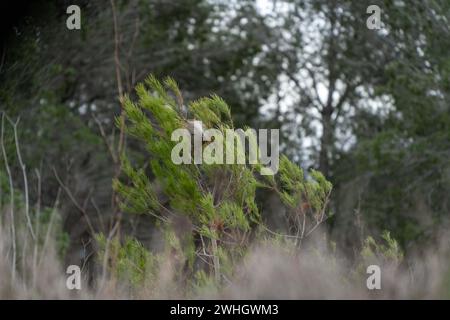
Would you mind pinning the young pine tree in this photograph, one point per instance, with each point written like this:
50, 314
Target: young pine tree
217, 199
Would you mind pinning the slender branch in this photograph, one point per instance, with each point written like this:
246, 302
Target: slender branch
215, 260
11, 192
74, 201
118, 75
105, 139
316, 91
111, 234
37, 225
322, 215
121, 142
97, 210
24, 174
278, 234
49, 228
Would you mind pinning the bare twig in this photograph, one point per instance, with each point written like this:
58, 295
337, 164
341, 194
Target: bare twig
302, 234
37, 226
278, 234
24, 174
118, 75
105, 139
216, 261
97, 210
121, 142
322, 216
11, 192
75, 202
111, 234
49, 228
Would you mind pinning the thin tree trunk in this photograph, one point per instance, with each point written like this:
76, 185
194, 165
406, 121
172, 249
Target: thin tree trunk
326, 142
215, 260
11, 199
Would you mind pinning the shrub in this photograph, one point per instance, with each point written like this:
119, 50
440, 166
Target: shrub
216, 201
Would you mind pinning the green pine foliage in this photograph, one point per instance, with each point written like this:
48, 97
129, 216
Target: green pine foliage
385, 251
218, 199
134, 265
